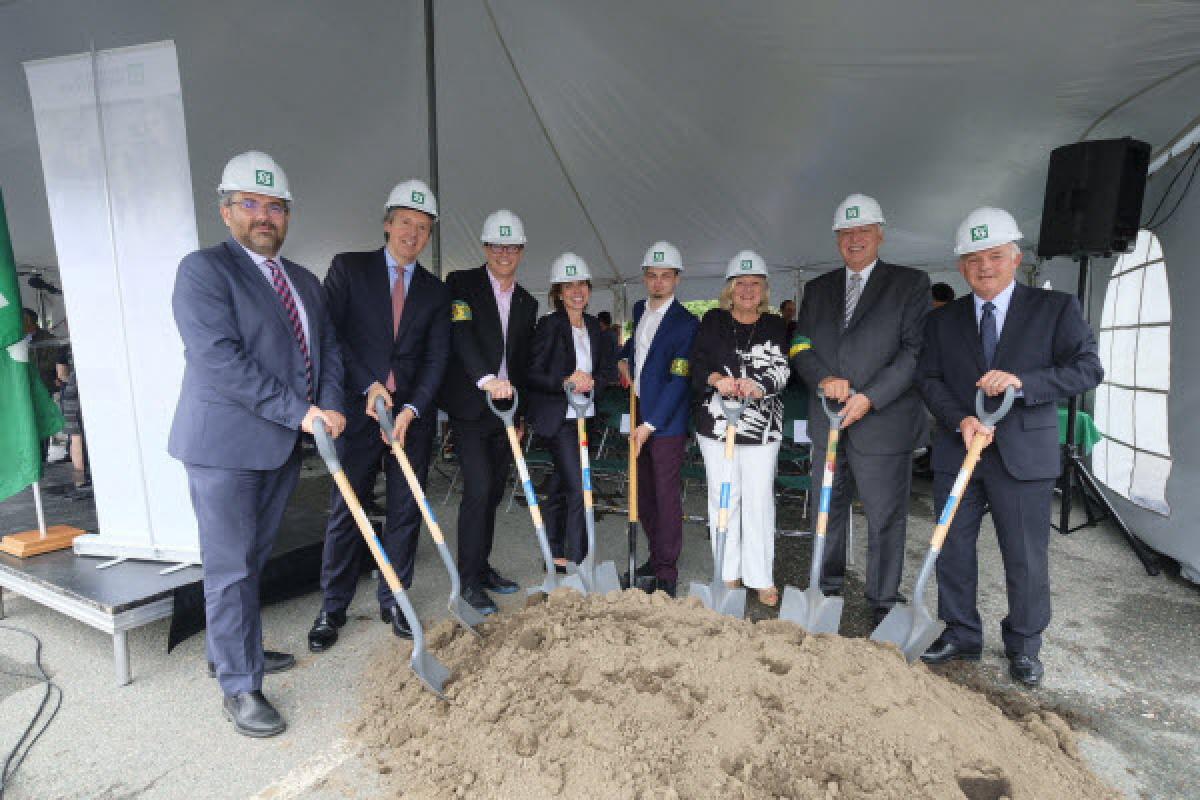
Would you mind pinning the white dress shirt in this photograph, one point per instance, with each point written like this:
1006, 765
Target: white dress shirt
1001, 302
644, 337
583, 363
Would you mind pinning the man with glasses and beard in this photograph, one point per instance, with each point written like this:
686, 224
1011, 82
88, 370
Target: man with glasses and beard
261, 365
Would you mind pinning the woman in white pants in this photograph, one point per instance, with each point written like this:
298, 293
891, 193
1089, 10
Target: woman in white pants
741, 351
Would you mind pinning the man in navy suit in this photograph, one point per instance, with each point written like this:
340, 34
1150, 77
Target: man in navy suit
1002, 334
655, 360
261, 365
392, 318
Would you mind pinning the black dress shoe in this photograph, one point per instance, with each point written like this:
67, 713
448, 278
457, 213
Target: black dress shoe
1026, 670
252, 715
395, 617
324, 632
646, 570
942, 651
877, 615
665, 586
498, 583
479, 600
273, 661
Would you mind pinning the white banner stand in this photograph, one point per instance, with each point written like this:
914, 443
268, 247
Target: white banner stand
114, 154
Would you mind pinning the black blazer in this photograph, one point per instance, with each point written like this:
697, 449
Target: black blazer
478, 342
360, 305
552, 360
1045, 342
877, 352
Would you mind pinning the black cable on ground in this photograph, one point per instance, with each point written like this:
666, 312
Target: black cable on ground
38, 724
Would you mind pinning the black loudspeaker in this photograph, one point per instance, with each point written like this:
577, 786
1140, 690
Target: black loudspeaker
1094, 196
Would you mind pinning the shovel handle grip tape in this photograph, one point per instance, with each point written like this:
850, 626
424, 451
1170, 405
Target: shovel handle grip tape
418, 493
956, 492
368, 533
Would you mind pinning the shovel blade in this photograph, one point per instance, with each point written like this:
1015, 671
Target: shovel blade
811, 610
429, 671
574, 581
605, 578
911, 628
465, 613
731, 602
701, 590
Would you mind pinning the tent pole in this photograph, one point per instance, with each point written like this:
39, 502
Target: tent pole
431, 105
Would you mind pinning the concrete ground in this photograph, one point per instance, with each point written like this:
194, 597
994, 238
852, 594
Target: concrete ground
1121, 657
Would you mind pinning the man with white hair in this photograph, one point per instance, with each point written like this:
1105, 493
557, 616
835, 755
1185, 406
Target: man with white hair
1003, 334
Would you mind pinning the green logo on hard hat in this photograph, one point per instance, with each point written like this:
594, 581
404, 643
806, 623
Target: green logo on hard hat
506, 230
747, 264
570, 269
418, 197
264, 177
852, 212
979, 233
659, 255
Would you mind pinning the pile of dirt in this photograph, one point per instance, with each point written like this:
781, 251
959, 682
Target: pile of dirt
638, 696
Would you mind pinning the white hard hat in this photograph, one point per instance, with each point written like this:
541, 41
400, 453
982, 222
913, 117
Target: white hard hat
746, 262
569, 267
503, 227
256, 172
983, 228
412, 194
663, 254
857, 210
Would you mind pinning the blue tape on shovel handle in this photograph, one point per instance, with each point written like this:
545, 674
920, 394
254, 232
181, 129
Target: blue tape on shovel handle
530, 494
826, 495
725, 492
382, 553
948, 510
587, 479
429, 509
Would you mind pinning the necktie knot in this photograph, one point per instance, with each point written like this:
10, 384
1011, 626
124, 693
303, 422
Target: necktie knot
989, 306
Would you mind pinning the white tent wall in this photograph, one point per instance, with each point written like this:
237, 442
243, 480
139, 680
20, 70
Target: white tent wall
1178, 534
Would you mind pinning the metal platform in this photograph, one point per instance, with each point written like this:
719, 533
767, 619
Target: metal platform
114, 599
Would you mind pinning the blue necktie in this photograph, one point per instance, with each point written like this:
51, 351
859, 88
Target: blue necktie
987, 333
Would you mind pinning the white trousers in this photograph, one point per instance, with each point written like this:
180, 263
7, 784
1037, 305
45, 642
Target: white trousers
750, 541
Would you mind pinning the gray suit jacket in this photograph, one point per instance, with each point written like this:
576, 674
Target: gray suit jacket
877, 352
244, 393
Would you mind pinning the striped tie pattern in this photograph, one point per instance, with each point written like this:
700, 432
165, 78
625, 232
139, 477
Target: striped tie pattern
852, 297
289, 305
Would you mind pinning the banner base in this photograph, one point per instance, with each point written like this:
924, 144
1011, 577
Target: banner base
94, 544
31, 543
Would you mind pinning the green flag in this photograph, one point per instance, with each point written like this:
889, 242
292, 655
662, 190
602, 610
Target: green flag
27, 414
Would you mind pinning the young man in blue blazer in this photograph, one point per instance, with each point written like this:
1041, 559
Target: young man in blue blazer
655, 361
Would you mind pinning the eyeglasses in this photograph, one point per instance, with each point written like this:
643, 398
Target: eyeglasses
252, 206
505, 248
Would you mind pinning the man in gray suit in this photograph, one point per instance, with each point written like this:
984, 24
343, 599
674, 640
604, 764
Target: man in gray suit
261, 365
860, 328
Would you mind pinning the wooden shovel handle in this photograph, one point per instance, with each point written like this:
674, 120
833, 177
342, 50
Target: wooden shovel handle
435, 530
368, 532
956, 492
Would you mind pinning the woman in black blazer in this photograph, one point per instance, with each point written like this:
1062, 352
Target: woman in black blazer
568, 346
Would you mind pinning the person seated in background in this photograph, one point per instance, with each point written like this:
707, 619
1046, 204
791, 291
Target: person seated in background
568, 347
68, 401
741, 352
942, 293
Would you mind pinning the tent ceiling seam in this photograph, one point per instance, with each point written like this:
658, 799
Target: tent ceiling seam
549, 141
1144, 90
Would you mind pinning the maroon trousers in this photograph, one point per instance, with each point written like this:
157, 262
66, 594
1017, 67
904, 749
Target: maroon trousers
660, 504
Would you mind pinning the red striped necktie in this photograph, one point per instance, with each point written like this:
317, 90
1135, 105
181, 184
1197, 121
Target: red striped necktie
289, 305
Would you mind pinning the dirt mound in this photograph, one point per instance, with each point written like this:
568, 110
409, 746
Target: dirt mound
636, 696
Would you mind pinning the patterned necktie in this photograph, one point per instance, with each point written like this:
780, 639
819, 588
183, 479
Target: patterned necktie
987, 333
289, 305
852, 296
397, 310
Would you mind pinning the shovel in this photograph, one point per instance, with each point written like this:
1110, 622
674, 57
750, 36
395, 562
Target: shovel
911, 627
460, 609
428, 669
506, 416
597, 578
717, 595
811, 609
634, 524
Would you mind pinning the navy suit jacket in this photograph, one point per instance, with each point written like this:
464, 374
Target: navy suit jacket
359, 299
1045, 342
244, 394
666, 387
552, 361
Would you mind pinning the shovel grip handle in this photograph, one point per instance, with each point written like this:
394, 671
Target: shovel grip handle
835, 421
580, 401
387, 422
508, 415
325, 446
991, 418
